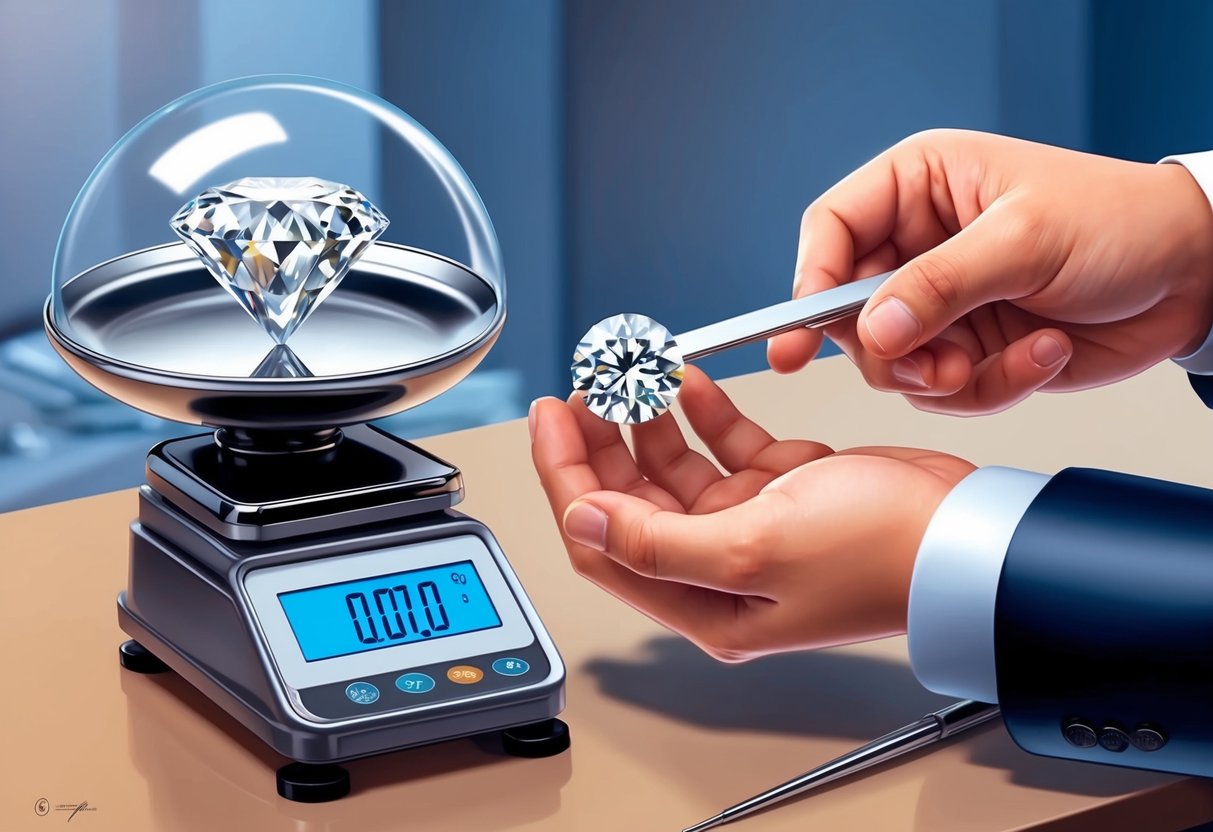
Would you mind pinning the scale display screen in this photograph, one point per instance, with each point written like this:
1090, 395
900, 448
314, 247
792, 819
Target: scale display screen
341, 619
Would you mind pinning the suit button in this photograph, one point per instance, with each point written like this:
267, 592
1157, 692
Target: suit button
1079, 734
1113, 738
1148, 739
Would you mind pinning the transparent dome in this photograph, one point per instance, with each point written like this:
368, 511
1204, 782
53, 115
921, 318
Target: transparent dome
276, 251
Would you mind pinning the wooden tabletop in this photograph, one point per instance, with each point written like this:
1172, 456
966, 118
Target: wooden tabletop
663, 736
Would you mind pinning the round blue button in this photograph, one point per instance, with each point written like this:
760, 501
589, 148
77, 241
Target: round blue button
511, 667
362, 693
415, 683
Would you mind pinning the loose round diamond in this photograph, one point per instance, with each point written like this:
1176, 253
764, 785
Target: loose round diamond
279, 245
629, 368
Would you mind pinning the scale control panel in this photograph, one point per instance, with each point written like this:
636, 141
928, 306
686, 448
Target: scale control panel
400, 629
428, 684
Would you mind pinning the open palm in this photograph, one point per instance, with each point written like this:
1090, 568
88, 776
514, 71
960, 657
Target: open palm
794, 547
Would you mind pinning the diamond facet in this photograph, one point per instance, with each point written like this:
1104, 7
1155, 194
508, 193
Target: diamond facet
279, 245
281, 362
629, 368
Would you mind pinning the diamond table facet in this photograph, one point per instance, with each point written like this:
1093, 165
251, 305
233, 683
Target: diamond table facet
629, 367
279, 245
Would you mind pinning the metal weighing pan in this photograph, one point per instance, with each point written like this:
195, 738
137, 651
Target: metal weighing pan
154, 329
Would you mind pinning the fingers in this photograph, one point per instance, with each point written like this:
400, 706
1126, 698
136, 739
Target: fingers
664, 458
725, 551
561, 459
789, 352
560, 453
1006, 378
732, 438
888, 210
939, 368
737, 442
749, 453
845, 223
611, 460
752, 456
605, 449
1002, 254
955, 374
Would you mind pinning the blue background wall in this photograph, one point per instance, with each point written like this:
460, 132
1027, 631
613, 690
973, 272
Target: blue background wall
640, 156
695, 140
1154, 78
488, 80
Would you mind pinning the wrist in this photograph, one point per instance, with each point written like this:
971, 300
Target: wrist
1191, 250
910, 533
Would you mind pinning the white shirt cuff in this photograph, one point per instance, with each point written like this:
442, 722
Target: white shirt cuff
1200, 166
955, 581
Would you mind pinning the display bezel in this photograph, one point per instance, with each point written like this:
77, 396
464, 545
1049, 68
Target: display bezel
262, 587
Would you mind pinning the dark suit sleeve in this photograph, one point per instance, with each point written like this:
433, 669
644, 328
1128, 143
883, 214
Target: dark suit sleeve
1103, 623
1203, 385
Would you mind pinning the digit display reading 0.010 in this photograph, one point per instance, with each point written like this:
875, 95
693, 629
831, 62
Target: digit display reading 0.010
386, 610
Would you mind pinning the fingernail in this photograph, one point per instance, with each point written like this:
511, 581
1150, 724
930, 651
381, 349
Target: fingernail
908, 371
1047, 351
893, 326
586, 524
530, 420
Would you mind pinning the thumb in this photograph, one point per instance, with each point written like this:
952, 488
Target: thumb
725, 550
1001, 255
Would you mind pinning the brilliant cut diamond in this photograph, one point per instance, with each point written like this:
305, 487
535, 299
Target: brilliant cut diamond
279, 245
629, 368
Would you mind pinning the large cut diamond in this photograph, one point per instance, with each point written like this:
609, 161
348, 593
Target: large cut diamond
629, 368
279, 245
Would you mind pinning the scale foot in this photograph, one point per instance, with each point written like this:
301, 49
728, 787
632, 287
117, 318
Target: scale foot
538, 739
138, 659
312, 782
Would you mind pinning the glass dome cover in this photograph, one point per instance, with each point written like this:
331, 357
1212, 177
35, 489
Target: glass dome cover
276, 251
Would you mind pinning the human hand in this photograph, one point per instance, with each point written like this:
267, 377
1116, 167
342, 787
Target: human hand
797, 547
1026, 267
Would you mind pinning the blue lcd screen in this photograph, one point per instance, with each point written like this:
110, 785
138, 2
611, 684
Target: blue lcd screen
401, 608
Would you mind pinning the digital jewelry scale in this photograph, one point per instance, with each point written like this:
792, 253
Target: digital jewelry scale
304, 570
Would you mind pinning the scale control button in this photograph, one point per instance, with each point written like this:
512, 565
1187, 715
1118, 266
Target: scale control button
1113, 738
465, 674
415, 683
511, 667
1079, 734
1148, 738
362, 693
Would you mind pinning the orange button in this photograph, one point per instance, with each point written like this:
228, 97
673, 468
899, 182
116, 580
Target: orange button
465, 674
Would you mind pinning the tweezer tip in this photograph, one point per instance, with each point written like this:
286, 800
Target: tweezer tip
710, 823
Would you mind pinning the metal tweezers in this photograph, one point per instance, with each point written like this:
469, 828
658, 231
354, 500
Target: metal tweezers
931, 729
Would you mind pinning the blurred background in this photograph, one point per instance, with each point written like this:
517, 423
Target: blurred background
635, 156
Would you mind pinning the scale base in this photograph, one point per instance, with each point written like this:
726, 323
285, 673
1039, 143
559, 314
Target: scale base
325, 782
